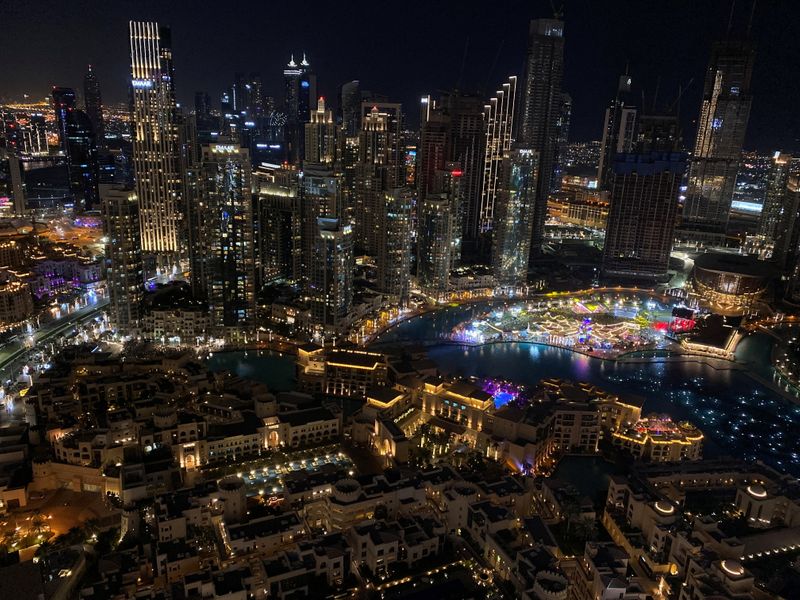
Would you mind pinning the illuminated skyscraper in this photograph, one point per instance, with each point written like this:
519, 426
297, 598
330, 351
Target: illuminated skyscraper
350, 107
79, 146
619, 128
432, 152
772, 212
779, 224
321, 196
380, 167
499, 121
467, 147
278, 224
642, 214
93, 103
156, 154
450, 183
453, 131
221, 238
299, 101
434, 244
394, 250
562, 140
331, 284
514, 218
63, 105
320, 132
721, 128
124, 275
391, 113
540, 109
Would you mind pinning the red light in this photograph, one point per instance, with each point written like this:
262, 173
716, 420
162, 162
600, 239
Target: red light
457, 173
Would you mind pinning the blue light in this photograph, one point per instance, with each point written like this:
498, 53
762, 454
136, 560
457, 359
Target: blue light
502, 398
304, 84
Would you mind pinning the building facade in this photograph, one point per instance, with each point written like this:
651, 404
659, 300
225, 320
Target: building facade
642, 214
331, 284
124, 269
156, 155
724, 113
434, 244
499, 123
515, 214
221, 238
394, 251
540, 108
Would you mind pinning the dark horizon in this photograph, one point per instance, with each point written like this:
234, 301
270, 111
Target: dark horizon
472, 46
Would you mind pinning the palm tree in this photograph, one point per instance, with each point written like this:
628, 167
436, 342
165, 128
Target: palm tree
38, 522
585, 529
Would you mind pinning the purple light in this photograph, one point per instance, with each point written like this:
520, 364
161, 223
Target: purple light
502, 392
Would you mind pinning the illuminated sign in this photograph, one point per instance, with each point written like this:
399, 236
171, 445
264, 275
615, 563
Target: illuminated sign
142, 83
223, 148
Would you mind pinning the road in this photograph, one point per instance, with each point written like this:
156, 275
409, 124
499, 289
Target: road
15, 350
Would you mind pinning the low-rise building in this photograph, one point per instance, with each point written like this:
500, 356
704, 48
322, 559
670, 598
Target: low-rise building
340, 372
266, 534
657, 438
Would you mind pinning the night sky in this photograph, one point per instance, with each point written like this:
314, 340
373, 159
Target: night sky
405, 48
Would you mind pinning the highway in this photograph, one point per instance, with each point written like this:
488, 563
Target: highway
11, 352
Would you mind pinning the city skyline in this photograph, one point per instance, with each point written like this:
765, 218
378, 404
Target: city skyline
334, 306
477, 49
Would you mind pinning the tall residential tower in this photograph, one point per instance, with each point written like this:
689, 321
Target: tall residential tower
156, 150
540, 109
93, 104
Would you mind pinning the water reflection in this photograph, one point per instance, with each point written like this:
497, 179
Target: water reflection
740, 416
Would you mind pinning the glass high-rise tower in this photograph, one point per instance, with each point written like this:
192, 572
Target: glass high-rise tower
721, 128
93, 103
221, 236
499, 123
331, 284
540, 109
299, 100
124, 276
514, 218
77, 139
156, 148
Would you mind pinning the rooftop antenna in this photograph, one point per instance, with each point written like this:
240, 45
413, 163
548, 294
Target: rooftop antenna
494, 64
677, 103
558, 13
752, 14
730, 17
463, 63
655, 94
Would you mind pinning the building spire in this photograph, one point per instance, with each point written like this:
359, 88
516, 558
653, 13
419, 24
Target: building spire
304, 62
291, 61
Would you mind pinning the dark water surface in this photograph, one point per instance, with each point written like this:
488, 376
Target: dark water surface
740, 415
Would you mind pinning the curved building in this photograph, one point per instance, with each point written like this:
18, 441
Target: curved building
730, 282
